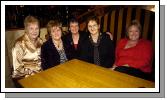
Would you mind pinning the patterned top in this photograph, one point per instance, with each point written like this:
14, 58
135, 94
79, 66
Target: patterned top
63, 57
61, 51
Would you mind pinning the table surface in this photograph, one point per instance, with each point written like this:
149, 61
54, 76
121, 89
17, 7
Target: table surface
80, 74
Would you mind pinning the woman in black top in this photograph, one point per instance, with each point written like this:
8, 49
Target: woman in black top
75, 37
98, 48
55, 50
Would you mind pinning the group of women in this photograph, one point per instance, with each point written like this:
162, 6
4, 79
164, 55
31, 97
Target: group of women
30, 55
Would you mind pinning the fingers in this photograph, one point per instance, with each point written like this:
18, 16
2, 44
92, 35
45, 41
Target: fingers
111, 36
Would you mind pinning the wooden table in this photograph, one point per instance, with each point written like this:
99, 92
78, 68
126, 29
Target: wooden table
80, 74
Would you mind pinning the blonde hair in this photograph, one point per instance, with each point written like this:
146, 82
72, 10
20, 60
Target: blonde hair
30, 19
53, 23
134, 23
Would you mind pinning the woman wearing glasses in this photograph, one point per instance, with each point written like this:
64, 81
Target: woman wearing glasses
98, 48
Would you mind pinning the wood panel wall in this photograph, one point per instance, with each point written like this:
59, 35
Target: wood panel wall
117, 20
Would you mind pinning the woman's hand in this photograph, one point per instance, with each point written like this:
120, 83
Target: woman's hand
110, 34
126, 65
113, 67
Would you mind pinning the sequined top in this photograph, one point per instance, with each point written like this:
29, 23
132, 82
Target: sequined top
26, 57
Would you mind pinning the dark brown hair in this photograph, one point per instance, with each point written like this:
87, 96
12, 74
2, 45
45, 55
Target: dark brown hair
73, 20
93, 18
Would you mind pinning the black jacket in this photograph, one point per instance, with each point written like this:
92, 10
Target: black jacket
106, 51
50, 56
69, 40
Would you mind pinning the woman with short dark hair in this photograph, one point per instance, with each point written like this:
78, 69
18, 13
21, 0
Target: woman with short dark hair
98, 48
75, 37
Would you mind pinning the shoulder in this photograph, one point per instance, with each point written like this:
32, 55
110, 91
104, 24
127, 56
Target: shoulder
20, 44
106, 38
67, 37
66, 41
145, 42
40, 42
20, 41
104, 35
47, 43
86, 41
145, 45
122, 41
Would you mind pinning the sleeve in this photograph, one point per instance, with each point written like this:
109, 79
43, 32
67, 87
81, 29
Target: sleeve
84, 52
145, 56
111, 54
117, 51
18, 66
44, 64
116, 55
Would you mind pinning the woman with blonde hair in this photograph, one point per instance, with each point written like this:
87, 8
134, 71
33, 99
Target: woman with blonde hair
55, 51
26, 51
133, 54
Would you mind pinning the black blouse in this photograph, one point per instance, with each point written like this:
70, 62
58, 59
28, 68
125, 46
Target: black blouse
105, 48
50, 56
69, 40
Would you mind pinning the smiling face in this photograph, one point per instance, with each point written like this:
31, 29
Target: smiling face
133, 33
74, 27
93, 27
56, 33
32, 30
